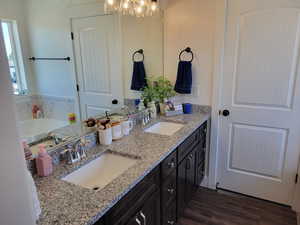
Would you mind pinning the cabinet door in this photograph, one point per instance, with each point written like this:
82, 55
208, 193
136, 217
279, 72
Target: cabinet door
190, 175
135, 221
147, 214
186, 182
181, 185
150, 212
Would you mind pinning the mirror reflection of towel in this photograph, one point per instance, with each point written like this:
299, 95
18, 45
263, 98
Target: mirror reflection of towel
184, 78
139, 76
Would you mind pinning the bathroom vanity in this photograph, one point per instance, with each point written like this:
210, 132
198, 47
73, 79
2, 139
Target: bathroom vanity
162, 195
154, 190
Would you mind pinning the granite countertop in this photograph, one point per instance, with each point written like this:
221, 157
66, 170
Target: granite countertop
64, 203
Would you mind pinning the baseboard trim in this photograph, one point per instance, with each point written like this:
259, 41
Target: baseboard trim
205, 184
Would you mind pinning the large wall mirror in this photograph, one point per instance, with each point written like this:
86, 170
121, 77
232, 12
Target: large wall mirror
54, 76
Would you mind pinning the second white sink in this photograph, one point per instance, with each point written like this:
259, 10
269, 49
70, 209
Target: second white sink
101, 171
164, 128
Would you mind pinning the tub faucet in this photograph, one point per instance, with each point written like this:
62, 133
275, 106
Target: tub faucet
57, 140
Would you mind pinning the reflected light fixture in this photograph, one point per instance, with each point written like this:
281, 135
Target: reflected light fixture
138, 8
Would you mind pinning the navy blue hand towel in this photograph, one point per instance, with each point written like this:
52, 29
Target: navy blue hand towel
139, 76
184, 78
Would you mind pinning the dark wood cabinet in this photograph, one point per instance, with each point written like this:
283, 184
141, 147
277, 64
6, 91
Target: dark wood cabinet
186, 185
190, 172
169, 216
148, 214
161, 197
142, 201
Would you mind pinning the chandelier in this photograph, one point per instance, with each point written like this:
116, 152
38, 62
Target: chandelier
138, 8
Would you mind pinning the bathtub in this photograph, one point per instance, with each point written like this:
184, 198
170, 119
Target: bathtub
32, 130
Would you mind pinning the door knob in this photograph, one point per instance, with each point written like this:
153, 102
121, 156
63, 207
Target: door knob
226, 112
115, 102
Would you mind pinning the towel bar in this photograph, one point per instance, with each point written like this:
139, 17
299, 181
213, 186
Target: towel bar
64, 59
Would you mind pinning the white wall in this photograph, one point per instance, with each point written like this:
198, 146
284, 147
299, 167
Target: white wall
15, 10
191, 23
145, 33
16, 205
142, 33
49, 32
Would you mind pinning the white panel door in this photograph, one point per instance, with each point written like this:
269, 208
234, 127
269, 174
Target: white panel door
98, 67
260, 139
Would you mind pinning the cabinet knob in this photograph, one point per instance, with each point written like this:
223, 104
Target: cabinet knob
170, 222
172, 164
171, 190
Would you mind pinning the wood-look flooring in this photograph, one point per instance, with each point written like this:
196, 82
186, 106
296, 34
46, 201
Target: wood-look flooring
220, 208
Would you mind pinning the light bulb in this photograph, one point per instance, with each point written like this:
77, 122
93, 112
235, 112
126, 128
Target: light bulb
125, 5
110, 2
139, 10
142, 2
153, 6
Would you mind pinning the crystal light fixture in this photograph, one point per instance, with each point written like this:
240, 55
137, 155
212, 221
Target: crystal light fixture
138, 8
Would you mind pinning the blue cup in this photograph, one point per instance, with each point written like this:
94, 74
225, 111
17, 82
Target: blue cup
187, 108
137, 102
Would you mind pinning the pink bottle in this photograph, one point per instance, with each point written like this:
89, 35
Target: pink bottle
43, 162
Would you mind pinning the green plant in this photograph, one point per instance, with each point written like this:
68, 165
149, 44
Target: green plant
164, 89
149, 93
158, 89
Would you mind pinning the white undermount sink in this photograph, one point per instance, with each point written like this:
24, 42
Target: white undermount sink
101, 171
164, 128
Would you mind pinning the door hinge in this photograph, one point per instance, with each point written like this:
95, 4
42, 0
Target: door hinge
72, 35
77, 87
296, 179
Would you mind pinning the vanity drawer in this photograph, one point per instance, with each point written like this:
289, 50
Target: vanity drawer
187, 146
169, 215
169, 165
169, 190
136, 197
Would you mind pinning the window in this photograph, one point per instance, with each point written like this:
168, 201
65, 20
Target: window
13, 51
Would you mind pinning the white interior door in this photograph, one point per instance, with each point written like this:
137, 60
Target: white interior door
98, 65
260, 139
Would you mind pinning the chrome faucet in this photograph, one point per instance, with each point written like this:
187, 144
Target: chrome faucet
75, 152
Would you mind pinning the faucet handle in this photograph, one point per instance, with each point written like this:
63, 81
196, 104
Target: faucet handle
75, 156
82, 152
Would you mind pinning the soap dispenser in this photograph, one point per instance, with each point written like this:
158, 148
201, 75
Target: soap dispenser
44, 162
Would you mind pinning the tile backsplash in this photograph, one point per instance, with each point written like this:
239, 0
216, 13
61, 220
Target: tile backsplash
53, 107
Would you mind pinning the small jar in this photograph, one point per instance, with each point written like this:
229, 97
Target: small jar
117, 131
105, 136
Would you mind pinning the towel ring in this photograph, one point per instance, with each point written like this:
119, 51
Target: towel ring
141, 51
188, 50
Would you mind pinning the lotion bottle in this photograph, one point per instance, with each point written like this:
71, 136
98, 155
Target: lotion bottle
44, 162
